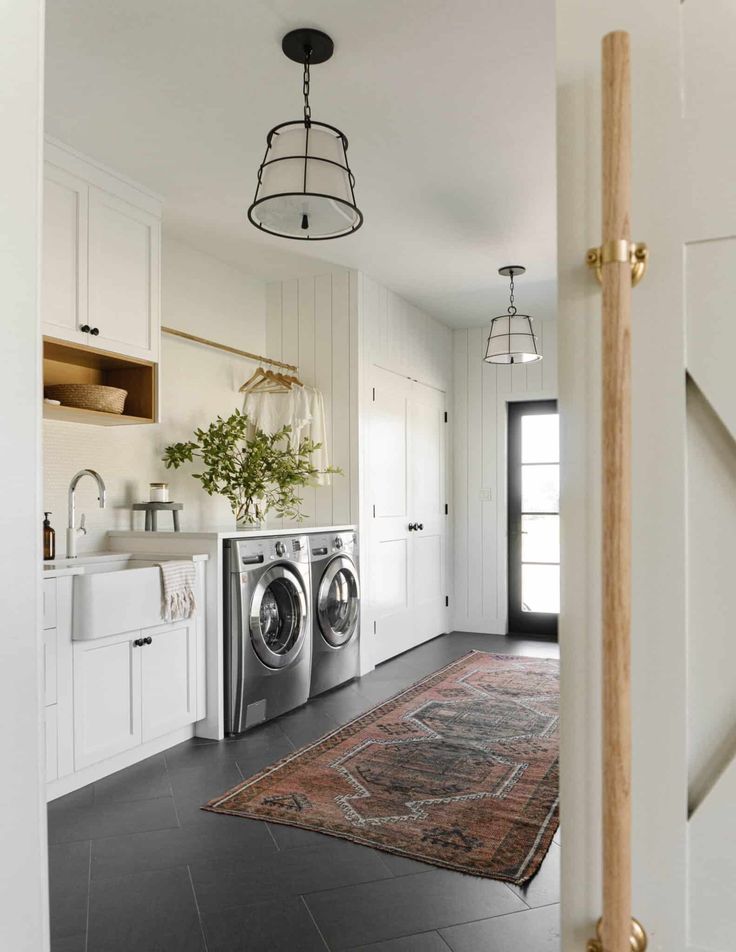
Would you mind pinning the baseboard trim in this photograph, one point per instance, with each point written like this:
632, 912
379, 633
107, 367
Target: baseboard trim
95, 772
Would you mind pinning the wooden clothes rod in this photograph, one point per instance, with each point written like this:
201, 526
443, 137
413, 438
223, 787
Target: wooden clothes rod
227, 349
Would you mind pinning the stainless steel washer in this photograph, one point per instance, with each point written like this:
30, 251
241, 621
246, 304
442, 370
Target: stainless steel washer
336, 617
268, 629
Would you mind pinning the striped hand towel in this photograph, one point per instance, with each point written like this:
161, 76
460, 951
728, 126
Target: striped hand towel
177, 585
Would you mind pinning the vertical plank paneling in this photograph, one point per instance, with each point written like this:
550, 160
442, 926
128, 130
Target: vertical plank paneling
274, 346
549, 364
341, 395
307, 371
460, 506
323, 382
354, 394
489, 517
518, 378
534, 372
475, 430
290, 322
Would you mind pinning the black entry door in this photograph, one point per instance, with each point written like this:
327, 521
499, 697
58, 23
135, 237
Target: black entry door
533, 517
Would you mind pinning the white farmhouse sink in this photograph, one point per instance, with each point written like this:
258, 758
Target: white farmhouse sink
114, 597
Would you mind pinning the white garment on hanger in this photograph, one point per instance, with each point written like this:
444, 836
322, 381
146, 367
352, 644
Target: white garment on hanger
301, 408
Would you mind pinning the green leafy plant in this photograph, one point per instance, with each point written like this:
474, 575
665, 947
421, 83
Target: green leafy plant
257, 474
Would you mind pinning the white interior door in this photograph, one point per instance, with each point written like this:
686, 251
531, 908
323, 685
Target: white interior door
406, 465
684, 460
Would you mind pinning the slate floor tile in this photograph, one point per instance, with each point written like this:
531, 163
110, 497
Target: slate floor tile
232, 881
68, 888
111, 819
537, 929
424, 942
118, 856
73, 943
388, 909
544, 889
306, 727
276, 926
154, 911
146, 780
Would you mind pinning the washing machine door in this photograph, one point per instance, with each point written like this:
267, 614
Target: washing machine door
338, 602
278, 616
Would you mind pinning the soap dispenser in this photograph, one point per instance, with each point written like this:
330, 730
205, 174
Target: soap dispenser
49, 538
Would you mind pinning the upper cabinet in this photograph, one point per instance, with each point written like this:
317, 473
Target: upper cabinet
101, 258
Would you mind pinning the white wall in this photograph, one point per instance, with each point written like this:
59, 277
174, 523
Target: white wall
313, 322
482, 393
23, 879
201, 295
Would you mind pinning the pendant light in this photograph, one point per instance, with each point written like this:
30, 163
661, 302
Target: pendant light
305, 187
512, 339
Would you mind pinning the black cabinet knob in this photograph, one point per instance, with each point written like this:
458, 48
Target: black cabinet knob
147, 640
94, 331
138, 643
420, 526
85, 328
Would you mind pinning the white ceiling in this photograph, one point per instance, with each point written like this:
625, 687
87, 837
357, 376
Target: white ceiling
448, 106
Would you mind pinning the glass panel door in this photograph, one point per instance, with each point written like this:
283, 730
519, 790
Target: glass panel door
533, 517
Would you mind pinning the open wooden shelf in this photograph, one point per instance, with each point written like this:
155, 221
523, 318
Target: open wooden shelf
79, 363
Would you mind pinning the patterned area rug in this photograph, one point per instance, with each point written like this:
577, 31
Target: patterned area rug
460, 770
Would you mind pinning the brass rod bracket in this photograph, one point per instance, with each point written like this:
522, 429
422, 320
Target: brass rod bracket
637, 939
635, 253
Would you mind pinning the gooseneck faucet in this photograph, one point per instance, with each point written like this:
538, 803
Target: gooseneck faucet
71, 532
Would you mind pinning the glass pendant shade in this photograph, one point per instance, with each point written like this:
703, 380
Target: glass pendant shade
305, 186
512, 340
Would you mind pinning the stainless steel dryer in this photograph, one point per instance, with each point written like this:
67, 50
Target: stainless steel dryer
336, 617
268, 629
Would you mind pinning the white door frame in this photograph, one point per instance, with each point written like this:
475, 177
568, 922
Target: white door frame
24, 919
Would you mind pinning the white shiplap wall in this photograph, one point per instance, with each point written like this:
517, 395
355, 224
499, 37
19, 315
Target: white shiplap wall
313, 322
481, 394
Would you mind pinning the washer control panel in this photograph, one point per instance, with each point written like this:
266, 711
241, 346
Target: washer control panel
246, 554
330, 544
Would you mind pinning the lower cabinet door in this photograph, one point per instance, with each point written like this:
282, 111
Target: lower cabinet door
168, 674
107, 697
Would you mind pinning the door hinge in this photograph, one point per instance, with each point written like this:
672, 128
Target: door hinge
445, 416
374, 394
447, 601
374, 510
374, 627
447, 510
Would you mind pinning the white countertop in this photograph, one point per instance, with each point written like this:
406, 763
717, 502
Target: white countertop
226, 533
54, 570
57, 568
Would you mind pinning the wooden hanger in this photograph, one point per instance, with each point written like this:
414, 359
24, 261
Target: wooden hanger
266, 381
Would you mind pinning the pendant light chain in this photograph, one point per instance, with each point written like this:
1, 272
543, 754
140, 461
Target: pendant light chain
305, 87
511, 308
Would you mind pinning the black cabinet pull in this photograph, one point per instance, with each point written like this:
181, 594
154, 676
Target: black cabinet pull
147, 640
94, 331
85, 328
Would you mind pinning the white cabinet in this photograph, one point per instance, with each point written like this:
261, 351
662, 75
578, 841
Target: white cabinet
132, 688
168, 682
124, 248
101, 259
52, 742
64, 271
107, 698
49, 666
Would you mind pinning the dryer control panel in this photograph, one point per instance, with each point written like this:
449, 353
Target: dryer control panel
246, 554
328, 544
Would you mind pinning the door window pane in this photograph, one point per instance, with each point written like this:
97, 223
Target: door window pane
540, 488
540, 438
540, 538
540, 588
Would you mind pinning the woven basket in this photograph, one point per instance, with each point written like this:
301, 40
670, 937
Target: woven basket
88, 396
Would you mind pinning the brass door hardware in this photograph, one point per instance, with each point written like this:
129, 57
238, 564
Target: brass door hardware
637, 940
635, 252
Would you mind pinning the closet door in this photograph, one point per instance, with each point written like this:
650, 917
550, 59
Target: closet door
406, 474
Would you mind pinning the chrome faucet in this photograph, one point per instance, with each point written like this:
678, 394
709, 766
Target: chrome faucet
71, 532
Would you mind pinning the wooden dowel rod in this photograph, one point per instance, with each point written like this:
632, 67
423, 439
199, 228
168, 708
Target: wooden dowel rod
616, 460
228, 350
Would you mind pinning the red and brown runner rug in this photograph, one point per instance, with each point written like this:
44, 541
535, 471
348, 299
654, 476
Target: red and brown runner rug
460, 770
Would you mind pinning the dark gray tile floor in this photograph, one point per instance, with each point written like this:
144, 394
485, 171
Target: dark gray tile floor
136, 864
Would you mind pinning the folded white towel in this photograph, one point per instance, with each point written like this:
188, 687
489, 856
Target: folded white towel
177, 585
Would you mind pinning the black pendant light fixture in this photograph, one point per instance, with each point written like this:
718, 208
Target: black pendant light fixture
305, 187
512, 339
